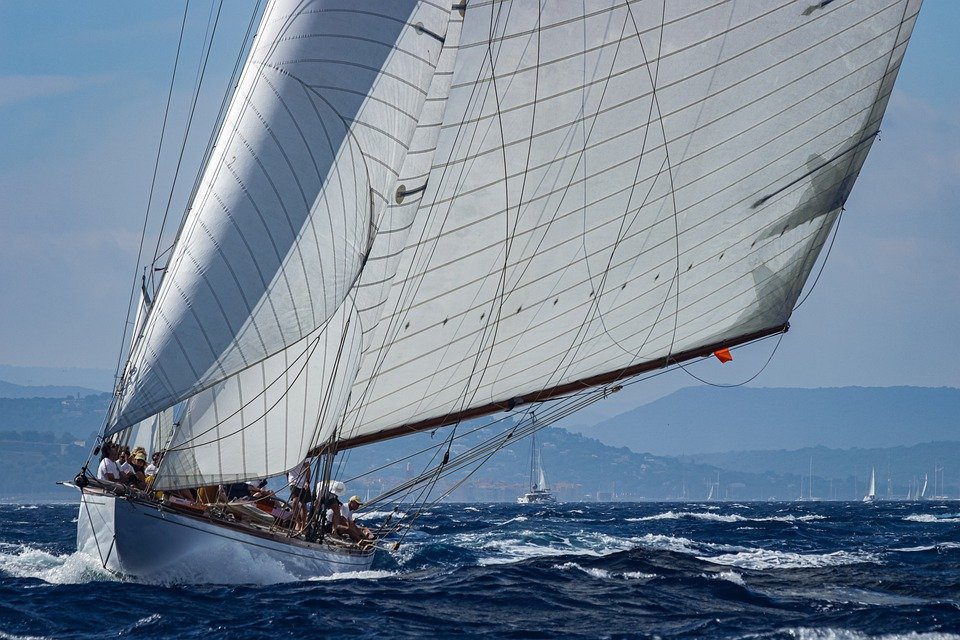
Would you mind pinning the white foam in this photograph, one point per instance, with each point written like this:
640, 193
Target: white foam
731, 576
517, 519
926, 517
74, 568
845, 634
661, 542
355, 575
590, 571
498, 548
940, 546
760, 559
10, 636
603, 573
717, 517
370, 515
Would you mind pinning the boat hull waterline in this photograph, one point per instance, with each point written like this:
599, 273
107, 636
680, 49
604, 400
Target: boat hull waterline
537, 497
148, 542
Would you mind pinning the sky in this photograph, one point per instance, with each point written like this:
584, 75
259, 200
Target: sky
83, 86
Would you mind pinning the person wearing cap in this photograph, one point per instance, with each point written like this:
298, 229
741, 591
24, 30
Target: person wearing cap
346, 514
138, 460
340, 524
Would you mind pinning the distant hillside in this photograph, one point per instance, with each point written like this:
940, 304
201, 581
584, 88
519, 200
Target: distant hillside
10, 390
78, 416
99, 379
899, 470
711, 420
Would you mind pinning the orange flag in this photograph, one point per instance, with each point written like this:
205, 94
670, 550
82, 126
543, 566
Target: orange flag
723, 355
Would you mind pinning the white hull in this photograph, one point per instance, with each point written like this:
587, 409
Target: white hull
537, 497
148, 542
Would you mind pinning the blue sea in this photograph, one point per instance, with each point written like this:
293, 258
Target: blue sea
579, 570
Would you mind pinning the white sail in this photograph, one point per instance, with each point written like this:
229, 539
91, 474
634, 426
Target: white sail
580, 189
305, 161
152, 433
871, 487
541, 477
613, 186
264, 420
923, 491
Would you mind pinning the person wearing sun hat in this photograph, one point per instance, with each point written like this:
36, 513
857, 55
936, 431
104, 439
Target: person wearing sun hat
354, 530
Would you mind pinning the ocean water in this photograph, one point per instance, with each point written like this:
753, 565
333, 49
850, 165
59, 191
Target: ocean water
580, 570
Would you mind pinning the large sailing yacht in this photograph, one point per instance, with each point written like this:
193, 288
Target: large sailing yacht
412, 214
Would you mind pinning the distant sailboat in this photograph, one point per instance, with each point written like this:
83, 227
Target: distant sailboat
539, 493
872, 490
923, 490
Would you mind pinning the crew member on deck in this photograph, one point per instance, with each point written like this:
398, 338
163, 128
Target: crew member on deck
108, 469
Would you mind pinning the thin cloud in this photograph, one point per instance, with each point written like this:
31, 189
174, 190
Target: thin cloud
14, 89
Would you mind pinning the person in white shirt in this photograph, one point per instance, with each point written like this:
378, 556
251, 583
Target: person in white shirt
346, 515
151, 469
108, 469
126, 469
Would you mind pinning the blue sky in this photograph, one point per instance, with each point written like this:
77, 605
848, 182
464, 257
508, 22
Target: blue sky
82, 90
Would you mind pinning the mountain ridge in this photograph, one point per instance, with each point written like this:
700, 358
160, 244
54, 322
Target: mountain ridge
706, 420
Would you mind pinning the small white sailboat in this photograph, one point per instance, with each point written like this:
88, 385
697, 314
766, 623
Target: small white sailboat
413, 214
923, 489
872, 487
539, 492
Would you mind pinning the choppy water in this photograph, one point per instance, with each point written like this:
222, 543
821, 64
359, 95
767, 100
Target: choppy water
778, 570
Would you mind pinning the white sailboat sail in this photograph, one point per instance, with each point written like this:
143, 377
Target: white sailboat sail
278, 231
541, 484
872, 487
416, 215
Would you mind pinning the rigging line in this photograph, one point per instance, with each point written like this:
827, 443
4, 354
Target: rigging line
566, 189
743, 382
560, 409
491, 446
823, 263
425, 493
654, 101
238, 62
193, 107
491, 324
153, 183
594, 307
306, 359
395, 321
481, 426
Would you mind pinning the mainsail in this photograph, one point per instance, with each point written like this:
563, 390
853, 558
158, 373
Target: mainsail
418, 213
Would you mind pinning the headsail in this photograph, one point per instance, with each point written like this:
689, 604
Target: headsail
277, 233
264, 419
